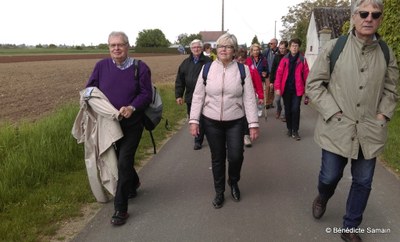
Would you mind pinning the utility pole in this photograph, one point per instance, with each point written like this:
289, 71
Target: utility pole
351, 17
275, 30
222, 16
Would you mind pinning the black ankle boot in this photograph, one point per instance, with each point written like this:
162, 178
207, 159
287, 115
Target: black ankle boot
235, 192
218, 200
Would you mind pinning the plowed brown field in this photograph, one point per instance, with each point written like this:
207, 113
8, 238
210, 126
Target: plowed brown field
33, 86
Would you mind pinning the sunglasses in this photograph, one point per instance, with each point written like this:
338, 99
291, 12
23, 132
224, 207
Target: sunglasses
365, 14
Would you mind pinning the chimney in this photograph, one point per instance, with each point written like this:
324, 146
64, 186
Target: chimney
324, 36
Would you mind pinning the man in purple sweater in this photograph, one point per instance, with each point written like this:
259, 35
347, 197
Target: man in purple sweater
115, 77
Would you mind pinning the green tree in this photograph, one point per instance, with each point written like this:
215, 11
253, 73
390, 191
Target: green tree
151, 38
389, 26
255, 40
102, 46
296, 22
185, 39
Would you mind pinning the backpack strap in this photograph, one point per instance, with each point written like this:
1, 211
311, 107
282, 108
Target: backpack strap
242, 72
206, 68
385, 50
337, 49
136, 65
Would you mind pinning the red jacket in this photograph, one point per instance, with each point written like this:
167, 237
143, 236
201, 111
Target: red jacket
300, 74
256, 78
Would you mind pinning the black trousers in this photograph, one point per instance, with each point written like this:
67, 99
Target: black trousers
126, 147
200, 138
225, 139
292, 104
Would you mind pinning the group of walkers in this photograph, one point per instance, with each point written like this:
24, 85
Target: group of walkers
223, 93
354, 100
222, 104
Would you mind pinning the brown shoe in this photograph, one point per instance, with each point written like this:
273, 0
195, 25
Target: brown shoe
277, 115
351, 237
318, 207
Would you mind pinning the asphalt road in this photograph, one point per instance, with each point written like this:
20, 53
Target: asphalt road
278, 185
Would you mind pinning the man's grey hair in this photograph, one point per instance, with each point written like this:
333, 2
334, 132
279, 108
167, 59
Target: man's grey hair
196, 41
119, 33
358, 3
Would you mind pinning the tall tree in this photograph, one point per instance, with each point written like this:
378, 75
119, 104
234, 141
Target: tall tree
296, 22
151, 38
185, 39
255, 40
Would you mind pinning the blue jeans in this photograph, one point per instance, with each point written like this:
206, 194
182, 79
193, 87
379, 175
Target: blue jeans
362, 171
225, 139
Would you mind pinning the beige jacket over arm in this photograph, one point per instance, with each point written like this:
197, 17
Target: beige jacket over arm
97, 125
360, 86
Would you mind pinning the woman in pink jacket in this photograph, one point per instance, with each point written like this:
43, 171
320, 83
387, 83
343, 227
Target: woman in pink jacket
223, 101
289, 83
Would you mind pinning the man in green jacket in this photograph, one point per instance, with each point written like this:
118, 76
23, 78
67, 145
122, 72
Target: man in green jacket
355, 101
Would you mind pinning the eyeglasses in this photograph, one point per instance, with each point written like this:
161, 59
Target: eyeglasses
113, 46
227, 47
195, 47
365, 14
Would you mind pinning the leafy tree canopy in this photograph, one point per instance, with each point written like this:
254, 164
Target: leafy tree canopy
296, 22
185, 39
151, 38
389, 26
255, 40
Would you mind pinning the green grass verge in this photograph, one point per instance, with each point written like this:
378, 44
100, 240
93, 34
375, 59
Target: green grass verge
43, 174
391, 155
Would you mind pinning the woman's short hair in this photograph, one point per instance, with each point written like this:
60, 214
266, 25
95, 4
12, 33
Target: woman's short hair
241, 53
228, 38
296, 41
255, 45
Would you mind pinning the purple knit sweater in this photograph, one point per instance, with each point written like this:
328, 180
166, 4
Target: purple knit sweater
120, 86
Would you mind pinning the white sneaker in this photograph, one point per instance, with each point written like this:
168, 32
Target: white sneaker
260, 112
247, 141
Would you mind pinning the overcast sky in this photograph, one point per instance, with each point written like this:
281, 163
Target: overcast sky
88, 22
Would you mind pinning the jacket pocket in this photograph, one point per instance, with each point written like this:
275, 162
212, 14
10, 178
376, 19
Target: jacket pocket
340, 128
376, 131
239, 106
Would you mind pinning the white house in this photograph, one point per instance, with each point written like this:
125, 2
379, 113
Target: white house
211, 37
324, 20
